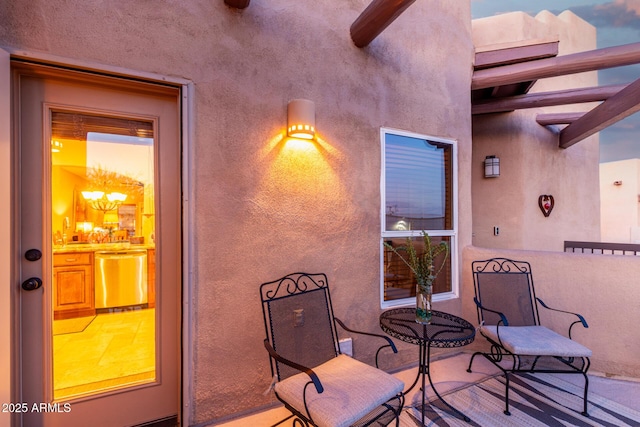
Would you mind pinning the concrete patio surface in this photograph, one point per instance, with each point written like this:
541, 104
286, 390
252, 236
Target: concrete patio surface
449, 372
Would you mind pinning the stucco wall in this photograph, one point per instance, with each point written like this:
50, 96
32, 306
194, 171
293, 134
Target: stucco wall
531, 162
264, 208
603, 288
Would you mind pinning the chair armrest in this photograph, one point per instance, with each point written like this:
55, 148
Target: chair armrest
503, 318
384, 337
581, 319
301, 368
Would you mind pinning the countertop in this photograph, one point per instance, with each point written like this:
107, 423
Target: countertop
92, 247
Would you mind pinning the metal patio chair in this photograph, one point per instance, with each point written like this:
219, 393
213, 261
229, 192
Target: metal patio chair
317, 384
509, 319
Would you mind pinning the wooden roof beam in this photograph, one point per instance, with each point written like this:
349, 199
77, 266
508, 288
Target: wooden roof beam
375, 18
238, 4
546, 99
504, 54
621, 105
548, 119
598, 59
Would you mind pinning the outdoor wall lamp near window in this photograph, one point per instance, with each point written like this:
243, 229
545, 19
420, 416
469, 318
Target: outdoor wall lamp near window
301, 119
491, 167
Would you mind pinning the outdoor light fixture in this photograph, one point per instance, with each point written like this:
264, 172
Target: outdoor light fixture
491, 167
301, 119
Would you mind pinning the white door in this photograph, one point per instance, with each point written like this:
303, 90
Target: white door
98, 225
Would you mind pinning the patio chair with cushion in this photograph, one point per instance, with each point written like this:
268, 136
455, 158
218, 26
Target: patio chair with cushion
317, 384
509, 319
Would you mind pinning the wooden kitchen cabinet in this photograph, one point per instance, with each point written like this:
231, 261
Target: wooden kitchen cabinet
73, 293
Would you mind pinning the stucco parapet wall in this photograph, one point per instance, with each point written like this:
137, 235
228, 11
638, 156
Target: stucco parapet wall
521, 27
603, 288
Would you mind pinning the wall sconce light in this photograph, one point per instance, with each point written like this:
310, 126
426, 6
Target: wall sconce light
84, 226
56, 146
301, 119
110, 218
491, 167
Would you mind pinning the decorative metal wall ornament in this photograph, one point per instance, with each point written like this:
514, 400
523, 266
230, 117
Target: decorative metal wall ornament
545, 202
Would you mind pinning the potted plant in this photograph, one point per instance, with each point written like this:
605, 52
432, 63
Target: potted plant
423, 267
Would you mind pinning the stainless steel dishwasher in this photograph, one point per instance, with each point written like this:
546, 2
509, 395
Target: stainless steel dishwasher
120, 278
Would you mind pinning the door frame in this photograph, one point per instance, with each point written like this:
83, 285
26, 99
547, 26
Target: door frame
6, 235
9, 310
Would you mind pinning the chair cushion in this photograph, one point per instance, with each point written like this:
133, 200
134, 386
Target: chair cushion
352, 389
535, 341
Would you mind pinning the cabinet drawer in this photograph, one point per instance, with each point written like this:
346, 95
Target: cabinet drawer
76, 258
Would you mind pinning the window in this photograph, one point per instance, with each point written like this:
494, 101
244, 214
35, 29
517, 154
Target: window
419, 193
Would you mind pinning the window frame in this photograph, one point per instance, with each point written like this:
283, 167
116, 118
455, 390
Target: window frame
452, 233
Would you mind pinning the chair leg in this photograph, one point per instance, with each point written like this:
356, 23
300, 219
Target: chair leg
398, 413
586, 388
471, 361
506, 393
506, 377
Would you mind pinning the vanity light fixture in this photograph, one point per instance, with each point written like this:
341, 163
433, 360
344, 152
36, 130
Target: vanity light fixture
491, 167
301, 119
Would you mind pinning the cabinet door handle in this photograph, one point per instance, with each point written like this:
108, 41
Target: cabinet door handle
71, 259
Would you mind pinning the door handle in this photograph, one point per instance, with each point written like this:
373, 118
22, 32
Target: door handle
32, 284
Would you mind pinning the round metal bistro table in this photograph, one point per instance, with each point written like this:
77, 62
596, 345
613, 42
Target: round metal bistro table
444, 331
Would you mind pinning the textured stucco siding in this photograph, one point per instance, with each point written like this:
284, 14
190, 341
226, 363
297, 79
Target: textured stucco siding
263, 208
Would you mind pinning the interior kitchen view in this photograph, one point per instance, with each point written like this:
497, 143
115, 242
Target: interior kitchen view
103, 253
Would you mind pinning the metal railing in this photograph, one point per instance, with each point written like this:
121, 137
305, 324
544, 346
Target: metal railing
602, 248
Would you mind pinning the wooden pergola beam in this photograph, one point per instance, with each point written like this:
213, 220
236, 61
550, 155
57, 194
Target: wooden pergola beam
548, 119
561, 65
621, 105
238, 4
375, 18
546, 99
509, 54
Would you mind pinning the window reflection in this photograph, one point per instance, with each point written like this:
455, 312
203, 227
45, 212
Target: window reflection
418, 195
102, 222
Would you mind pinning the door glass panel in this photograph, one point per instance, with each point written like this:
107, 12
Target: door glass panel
103, 225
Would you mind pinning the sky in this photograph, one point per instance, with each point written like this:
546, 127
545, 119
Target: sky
617, 23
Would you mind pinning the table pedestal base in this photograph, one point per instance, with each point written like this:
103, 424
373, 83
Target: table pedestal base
444, 331
424, 374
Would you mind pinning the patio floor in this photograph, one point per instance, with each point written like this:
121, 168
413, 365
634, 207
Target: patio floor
450, 372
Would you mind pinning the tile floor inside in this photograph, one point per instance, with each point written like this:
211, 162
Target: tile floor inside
108, 351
